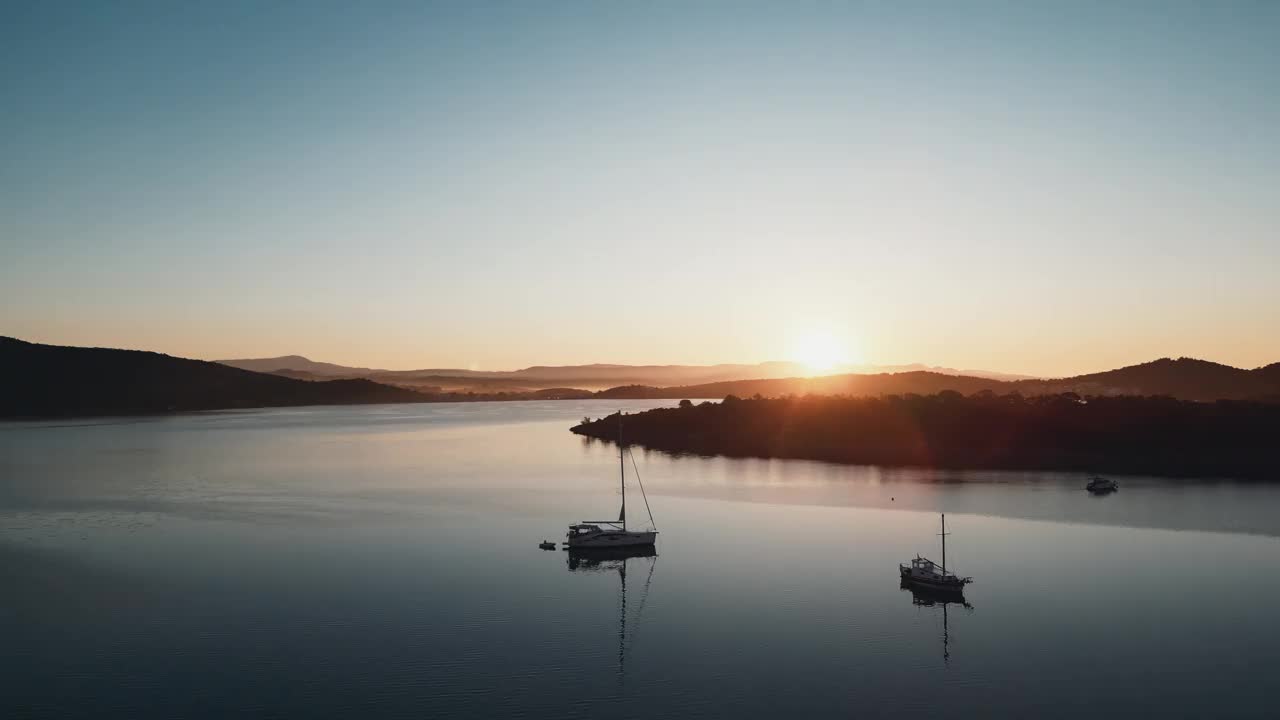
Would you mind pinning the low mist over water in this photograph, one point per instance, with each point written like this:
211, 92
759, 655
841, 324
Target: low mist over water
383, 560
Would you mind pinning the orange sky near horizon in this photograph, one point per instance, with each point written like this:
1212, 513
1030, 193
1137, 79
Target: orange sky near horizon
1035, 353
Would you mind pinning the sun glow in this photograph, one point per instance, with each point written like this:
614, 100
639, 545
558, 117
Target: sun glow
820, 351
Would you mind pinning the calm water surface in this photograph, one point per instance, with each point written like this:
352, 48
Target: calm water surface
383, 561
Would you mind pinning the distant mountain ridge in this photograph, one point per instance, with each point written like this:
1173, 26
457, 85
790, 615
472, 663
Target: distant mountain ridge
47, 380
539, 377
295, 362
596, 376
1184, 378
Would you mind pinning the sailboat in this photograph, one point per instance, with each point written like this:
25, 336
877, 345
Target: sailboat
614, 533
925, 573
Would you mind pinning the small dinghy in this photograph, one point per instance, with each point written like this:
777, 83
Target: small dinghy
547, 545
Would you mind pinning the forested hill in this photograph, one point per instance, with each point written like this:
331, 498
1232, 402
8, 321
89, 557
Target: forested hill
1185, 378
49, 381
1154, 435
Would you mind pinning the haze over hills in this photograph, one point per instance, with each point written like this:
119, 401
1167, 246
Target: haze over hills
920, 383
596, 376
587, 377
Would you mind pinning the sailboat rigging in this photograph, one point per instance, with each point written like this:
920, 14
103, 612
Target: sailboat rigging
614, 533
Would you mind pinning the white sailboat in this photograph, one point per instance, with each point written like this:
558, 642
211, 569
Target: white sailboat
614, 533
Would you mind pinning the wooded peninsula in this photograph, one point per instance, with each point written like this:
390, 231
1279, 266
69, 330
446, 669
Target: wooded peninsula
1133, 435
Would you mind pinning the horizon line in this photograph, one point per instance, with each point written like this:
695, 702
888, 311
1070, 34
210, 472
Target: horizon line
843, 369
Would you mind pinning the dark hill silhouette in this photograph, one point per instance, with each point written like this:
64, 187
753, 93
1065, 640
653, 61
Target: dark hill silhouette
1270, 377
1185, 378
49, 380
1156, 435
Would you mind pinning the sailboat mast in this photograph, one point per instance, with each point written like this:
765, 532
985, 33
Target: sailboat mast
622, 473
944, 543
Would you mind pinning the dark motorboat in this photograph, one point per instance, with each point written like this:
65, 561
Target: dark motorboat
1101, 486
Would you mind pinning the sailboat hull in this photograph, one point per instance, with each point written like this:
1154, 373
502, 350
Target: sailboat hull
613, 539
950, 583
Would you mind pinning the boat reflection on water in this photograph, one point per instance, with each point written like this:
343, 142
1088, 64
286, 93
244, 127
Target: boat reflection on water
603, 560
930, 597
934, 597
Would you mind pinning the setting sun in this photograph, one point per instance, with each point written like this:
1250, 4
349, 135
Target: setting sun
819, 350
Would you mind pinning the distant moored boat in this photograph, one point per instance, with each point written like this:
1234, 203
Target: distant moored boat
1100, 485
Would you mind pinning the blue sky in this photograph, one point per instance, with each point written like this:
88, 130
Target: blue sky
1029, 187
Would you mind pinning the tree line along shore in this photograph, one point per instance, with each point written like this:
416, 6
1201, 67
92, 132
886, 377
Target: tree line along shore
1128, 434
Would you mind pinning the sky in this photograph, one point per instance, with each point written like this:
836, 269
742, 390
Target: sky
1040, 188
